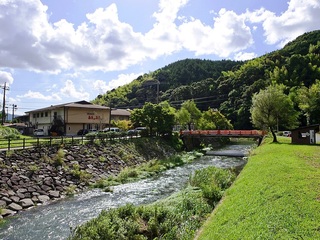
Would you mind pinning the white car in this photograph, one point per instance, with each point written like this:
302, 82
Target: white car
287, 133
38, 132
112, 129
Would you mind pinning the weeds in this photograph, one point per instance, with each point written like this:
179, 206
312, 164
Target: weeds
33, 168
58, 160
212, 181
70, 190
82, 175
177, 217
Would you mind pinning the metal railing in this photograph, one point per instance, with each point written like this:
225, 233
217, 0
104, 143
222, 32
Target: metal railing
23, 143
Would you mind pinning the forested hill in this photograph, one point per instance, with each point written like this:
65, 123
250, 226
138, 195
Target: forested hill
176, 82
225, 85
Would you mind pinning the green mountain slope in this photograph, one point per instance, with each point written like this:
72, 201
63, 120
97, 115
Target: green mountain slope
225, 85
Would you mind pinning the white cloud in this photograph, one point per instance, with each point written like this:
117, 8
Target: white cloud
103, 42
70, 90
300, 17
6, 77
122, 79
37, 95
229, 34
242, 56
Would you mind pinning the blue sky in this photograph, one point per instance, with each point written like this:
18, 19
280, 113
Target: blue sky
58, 51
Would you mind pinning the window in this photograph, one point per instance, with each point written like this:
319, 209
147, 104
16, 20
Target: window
46, 114
42, 114
34, 115
38, 115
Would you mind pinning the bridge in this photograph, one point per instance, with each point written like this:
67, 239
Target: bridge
224, 133
199, 134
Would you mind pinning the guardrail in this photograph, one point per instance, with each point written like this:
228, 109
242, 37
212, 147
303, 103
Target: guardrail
10, 144
23, 143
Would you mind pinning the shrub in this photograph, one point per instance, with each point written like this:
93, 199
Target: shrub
70, 190
212, 181
82, 175
91, 136
9, 133
177, 217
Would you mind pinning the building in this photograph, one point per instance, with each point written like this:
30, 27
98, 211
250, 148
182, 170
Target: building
69, 118
120, 114
305, 135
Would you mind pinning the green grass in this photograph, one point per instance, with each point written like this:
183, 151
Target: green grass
276, 196
176, 217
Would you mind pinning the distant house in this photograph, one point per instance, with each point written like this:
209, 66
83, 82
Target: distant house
69, 118
305, 135
120, 114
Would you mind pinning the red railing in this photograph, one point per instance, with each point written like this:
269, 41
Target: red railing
224, 132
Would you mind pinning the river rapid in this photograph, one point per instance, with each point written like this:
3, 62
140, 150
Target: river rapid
54, 221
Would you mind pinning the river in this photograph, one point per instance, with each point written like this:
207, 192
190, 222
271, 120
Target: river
53, 221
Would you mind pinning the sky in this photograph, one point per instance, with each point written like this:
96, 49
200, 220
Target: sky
60, 51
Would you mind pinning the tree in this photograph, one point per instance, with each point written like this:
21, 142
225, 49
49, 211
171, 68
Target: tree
212, 119
270, 108
122, 124
309, 102
156, 117
188, 114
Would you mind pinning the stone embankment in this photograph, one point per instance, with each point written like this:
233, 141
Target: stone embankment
38, 176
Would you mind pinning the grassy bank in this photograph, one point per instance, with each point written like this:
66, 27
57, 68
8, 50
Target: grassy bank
177, 217
276, 196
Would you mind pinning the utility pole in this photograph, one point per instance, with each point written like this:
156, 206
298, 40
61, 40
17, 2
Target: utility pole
7, 113
14, 106
109, 115
3, 117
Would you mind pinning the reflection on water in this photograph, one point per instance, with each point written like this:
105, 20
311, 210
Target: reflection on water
53, 221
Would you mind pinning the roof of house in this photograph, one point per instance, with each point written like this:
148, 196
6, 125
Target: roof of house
314, 126
120, 112
79, 104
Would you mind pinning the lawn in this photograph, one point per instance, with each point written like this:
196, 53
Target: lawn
276, 196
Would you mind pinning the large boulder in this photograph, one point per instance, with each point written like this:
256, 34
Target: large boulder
14, 207
26, 203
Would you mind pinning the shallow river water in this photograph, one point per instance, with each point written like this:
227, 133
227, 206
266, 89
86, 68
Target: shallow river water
53, 221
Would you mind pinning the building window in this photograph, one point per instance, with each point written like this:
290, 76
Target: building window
42, 114
46, 114
38, 115
34, 115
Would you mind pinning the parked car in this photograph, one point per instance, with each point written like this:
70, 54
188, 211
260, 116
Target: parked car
139, 129
287, 133
82, 132
132, 131
112, 129
38, 132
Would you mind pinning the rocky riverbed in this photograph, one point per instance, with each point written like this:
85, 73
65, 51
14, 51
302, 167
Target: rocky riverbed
36, 176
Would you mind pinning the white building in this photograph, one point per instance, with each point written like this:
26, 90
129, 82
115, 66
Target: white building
69, 118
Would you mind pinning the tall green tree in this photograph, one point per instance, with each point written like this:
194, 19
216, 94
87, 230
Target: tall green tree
309, 102
188, 114
271, 107
212, 119
156, 117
